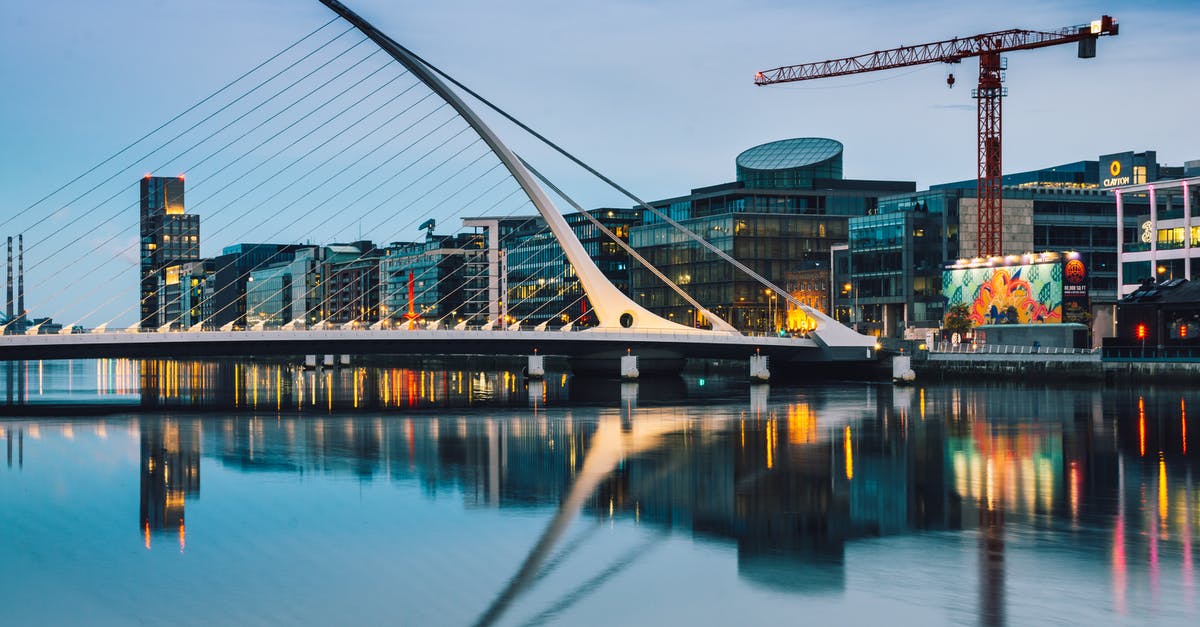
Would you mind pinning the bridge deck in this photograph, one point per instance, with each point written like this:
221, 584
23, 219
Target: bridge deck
591, 342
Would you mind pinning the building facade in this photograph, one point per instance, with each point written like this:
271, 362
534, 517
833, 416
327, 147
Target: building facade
1164, 242
231, 275
447, 274
542, 285
169, 237
787, 208
895, 262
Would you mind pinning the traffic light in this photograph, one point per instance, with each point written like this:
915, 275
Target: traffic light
1140, 331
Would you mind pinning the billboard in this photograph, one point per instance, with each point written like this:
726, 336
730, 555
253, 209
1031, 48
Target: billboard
1077, 305
992, 293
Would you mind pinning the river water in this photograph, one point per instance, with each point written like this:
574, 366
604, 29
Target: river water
266, 494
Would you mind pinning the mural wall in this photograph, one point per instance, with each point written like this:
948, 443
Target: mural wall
1033, 290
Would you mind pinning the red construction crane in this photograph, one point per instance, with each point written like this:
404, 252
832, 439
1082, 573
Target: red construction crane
988, 48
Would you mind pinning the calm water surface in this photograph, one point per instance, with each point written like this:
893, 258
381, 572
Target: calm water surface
262, 493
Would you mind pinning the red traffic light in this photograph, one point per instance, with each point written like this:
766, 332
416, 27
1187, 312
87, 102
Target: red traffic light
1140, 331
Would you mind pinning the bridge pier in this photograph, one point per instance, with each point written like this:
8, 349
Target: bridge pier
629, 367
535, 368
759, 372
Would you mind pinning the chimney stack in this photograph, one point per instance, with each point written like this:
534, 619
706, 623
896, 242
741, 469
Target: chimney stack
21, 278
9, 309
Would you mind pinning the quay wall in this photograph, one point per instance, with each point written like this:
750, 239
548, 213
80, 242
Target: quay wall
1044, 368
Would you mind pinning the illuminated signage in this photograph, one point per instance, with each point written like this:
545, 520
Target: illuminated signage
1076, 303
1117, 170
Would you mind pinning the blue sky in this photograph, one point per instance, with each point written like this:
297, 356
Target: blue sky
659, 95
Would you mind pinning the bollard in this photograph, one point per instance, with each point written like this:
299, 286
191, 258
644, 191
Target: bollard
758, 369
536, 367
629, 367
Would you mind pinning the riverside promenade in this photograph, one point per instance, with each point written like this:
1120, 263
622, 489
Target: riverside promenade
1048, 364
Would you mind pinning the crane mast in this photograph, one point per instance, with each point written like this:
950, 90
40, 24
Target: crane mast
988, 93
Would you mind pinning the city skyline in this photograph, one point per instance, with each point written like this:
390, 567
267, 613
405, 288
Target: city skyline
684, 141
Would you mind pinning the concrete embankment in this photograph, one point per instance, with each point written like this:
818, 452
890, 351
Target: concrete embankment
1034, 367
1050, 367
1047, 368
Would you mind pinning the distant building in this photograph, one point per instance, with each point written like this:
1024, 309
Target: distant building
169, 238
789, 205
500, 235
447, 273
894, 262
288, 291
542, 285
232, 273
350, 274
896, 256
186, 294
1164, 242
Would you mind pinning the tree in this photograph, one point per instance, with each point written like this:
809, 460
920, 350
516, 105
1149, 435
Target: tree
958, 319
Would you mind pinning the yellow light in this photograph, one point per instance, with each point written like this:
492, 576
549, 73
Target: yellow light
848, 447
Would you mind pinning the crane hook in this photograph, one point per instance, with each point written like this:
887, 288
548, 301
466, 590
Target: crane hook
950, 81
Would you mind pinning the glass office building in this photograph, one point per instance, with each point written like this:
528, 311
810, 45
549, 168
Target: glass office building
781, 216
169, 238
895, 262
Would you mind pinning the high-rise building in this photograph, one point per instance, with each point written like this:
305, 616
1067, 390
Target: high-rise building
170, 238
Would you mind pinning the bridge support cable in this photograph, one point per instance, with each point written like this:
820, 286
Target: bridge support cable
275, 256
332, 177
640, 203
614, 309
321, 125
468, 281
302, 157
112, 217
180, 155
133, 164
718, 324
88, 254
160, 127
424, 195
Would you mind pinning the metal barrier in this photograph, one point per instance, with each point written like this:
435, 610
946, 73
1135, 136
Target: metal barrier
1008, 349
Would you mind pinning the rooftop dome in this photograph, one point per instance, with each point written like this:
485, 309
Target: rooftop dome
790, 153
790, 163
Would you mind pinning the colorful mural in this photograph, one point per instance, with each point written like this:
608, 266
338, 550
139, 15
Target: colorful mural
992, 294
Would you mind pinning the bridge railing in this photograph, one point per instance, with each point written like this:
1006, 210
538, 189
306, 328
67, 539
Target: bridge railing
1008, 349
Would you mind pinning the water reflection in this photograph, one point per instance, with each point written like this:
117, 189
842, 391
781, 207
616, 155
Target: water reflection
1096, 488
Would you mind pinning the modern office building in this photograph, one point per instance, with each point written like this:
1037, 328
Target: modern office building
500, 236
542, 285
894, 262
895, 265
231, 274
351, 283
1165, 240
789, 205
169, 237
446, 274
185, 293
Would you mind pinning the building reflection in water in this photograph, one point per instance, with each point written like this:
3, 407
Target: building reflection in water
170, 475
791, 482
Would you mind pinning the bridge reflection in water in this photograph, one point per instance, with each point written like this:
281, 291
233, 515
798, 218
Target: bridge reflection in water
792, 484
